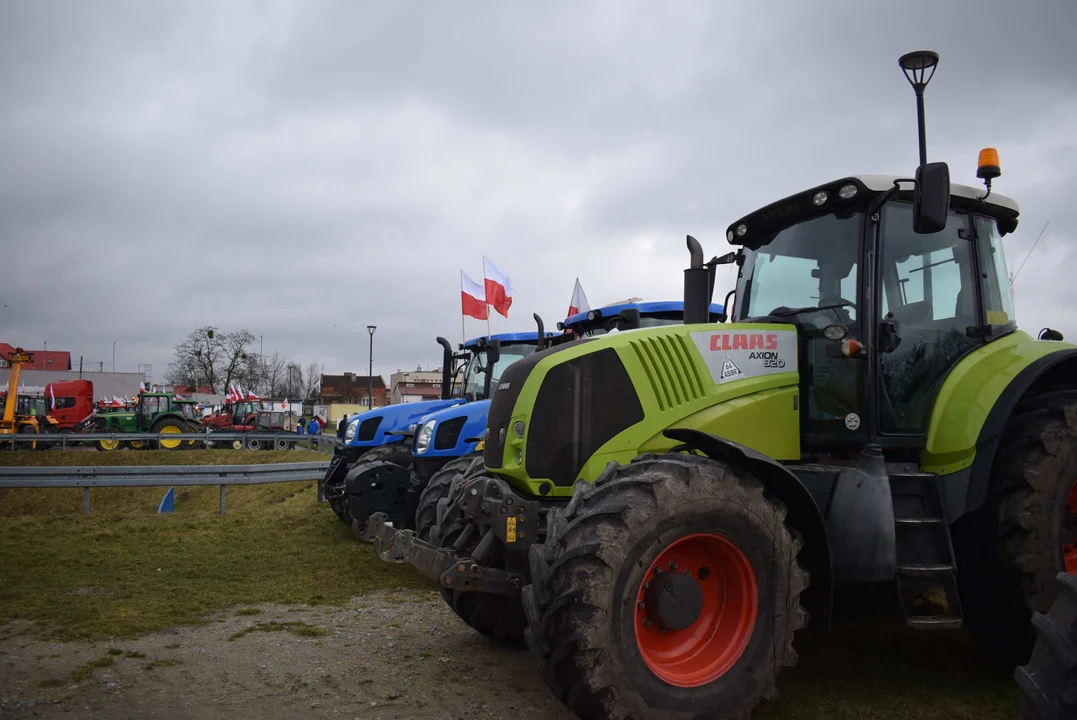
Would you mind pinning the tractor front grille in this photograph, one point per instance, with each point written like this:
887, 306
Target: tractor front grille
448, 433
667, 361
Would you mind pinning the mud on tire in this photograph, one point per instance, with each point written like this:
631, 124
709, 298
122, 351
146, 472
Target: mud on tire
498, 617
1049, 680
1010, 550
586, 577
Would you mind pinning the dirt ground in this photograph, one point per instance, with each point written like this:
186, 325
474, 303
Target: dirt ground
385, 655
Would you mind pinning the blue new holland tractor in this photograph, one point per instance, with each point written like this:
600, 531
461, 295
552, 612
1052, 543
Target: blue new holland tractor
377, 447
448, 440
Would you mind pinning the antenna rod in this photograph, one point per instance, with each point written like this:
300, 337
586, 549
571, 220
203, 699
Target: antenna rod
1030, 252
922, 125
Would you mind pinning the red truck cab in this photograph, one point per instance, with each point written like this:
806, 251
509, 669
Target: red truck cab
73, 402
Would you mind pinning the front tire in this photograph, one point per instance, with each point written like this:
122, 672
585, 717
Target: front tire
438, 487
705, 635
498, 617
1012, 549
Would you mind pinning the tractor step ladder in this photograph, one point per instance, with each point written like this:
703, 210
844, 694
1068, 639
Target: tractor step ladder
926, 569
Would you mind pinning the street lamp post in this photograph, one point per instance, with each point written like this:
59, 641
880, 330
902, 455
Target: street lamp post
113, 356
370, 372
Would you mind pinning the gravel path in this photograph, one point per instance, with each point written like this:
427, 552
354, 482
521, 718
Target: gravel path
385, 655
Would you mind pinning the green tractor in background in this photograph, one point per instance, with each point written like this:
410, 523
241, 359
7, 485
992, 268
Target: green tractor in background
158, 413
659, 511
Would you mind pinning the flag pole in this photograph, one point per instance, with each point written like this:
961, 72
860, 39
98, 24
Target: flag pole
463, 333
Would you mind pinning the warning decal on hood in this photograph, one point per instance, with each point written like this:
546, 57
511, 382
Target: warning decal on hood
740, 354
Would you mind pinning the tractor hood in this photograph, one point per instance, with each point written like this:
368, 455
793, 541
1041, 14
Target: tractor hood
371, 428
452, 432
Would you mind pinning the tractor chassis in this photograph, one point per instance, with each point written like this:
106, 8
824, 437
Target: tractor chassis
486, 508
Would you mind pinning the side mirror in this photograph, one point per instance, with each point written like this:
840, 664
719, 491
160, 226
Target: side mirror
931, 201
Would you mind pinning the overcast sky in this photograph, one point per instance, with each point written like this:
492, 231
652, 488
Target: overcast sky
304, 169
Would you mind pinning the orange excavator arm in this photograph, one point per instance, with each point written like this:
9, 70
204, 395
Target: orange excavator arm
17, 358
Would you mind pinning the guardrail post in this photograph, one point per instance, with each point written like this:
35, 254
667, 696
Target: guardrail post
223, 491
86, 500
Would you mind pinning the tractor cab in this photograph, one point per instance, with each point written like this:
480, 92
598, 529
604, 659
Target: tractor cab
876, 340
150, 405
484, 363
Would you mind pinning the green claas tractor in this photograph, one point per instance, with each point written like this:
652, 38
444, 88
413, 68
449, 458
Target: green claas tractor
157, 413
659, 511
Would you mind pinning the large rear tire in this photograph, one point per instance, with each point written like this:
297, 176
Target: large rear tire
498, 617
169, 426
1011, 550
1049, 680
669, 588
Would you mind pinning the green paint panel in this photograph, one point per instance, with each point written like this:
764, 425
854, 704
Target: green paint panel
969, 393
676, 388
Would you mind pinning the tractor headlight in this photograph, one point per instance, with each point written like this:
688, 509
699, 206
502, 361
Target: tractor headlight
349, 430
422, 443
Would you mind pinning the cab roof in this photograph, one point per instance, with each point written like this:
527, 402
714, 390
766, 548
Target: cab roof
771, 218
520, 338
645, 309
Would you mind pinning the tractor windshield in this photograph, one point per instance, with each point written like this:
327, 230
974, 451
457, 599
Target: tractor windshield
813, 264
475, 374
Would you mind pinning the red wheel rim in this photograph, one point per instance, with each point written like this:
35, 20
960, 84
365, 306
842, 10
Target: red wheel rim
1069, 532
706, 650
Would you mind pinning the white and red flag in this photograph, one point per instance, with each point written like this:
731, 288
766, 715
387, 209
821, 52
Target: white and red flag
498, 287
52, 398
472, 298
579, 303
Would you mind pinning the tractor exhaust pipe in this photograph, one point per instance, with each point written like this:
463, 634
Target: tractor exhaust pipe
698, 285
446, 368
541, 333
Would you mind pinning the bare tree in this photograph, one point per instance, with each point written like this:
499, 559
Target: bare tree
198, 359
234, 354
273, 375
293, 381
314, 381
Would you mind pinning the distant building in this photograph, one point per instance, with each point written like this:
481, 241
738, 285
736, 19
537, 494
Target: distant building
42, 359
414, 386
352, 389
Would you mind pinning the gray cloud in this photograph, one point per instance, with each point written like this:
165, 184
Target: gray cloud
305, 169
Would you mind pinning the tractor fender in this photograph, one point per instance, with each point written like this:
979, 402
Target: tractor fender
803, 513
1060, 365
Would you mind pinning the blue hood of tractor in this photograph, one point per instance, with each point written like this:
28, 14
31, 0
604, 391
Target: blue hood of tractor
451, 430
645, 309
507, 338
368, 429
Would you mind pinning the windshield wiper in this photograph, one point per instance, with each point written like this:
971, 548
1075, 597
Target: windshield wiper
797, 311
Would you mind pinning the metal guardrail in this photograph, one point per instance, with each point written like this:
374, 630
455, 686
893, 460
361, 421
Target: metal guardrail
319, 443
159, 476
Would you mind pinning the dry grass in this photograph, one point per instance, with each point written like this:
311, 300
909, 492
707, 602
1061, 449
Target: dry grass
131, 572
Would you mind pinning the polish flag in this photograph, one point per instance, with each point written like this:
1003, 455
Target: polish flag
239, 391
52, 398
473, 298
579, 302
498, 287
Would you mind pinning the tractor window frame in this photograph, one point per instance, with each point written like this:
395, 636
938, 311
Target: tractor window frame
885, 284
